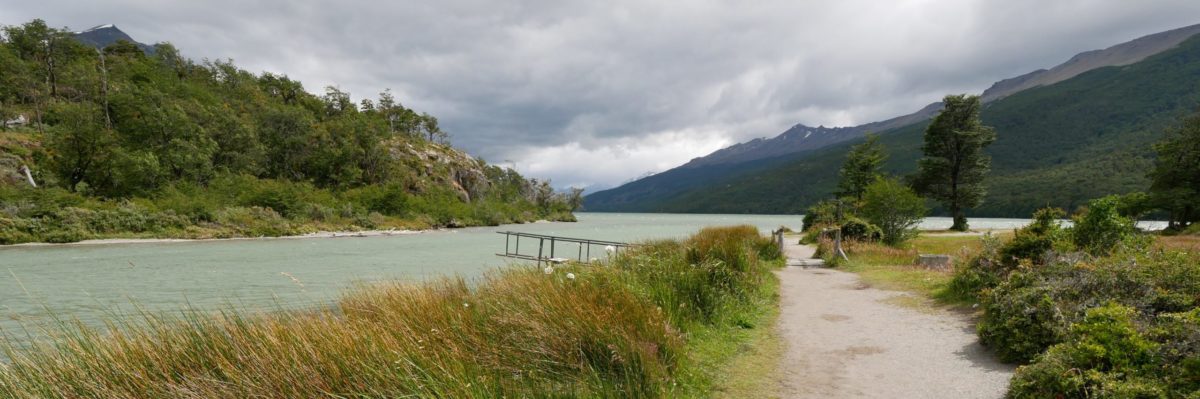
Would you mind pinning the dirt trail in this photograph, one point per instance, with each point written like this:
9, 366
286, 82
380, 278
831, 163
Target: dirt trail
847, 340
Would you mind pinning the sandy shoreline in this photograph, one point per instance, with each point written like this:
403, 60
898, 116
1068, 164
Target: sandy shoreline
319, 234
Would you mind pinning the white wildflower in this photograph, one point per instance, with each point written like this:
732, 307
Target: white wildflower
570, 276
610, 249
549, 270
466, 305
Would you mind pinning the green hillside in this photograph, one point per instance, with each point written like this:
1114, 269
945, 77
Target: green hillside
125, 143
1057, 145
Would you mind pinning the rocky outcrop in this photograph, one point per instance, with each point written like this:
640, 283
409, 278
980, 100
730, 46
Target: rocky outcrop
441, 164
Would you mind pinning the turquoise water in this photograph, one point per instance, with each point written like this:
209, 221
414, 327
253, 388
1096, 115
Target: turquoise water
89, 282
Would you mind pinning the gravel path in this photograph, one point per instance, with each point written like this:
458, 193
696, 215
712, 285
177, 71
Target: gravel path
846, 340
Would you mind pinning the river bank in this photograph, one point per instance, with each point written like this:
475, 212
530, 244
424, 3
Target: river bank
621, 330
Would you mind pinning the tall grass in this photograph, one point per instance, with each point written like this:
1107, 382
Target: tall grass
619, 329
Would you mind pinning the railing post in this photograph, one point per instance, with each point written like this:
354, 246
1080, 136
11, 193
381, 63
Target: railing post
541, 243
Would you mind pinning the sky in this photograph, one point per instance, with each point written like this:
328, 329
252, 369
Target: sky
596, 93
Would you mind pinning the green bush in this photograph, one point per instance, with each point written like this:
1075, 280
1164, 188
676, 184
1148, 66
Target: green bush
1106, 356
857, 229
1034, 308
254, 222
1032, 242
895, 208
823, 213
1100, 228
981, 272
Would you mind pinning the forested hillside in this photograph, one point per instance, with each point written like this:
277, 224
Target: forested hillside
1057, 145
125, 143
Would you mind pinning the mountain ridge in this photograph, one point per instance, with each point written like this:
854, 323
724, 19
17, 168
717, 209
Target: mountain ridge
800, 139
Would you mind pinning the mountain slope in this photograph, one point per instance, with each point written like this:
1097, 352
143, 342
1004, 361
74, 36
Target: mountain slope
1119, 55
798, 142
1057, 145
106, 35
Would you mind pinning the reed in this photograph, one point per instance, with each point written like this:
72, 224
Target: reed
620, 329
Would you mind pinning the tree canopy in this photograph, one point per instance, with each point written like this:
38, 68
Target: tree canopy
954, 165
1175, 180
861, 168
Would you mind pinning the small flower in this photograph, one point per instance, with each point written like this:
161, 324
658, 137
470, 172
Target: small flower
570, 276
610, 249
466, 305
548, 270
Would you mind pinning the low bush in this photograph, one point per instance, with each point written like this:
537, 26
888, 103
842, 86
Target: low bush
1101, 228
1034, 309
1114, 352
855, 228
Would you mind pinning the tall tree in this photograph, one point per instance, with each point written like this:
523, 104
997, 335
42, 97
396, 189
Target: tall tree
954, 166
861, 167
1175, 180
79, 145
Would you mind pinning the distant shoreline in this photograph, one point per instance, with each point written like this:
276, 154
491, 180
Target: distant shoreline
319, 234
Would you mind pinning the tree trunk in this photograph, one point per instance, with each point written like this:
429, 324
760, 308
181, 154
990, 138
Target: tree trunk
960, 219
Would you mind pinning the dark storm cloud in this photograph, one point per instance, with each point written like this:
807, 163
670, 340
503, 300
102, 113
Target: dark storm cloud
598, 92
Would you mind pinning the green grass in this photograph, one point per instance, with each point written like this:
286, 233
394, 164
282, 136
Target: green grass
891, 268
668, 319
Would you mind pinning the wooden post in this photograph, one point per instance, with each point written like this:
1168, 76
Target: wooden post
837, 240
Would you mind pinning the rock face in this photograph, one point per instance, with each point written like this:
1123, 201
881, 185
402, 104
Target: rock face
934, 262
105, 35
446, 165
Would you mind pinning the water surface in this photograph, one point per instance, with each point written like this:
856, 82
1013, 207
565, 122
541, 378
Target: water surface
91, 281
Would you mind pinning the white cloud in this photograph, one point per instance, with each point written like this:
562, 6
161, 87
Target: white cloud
631, 85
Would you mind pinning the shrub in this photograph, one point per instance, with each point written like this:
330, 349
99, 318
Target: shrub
1105, 356
895, 208
823, 213
1032, 242
1100, 228
857, 229
254, 222
979, 273
1033, 309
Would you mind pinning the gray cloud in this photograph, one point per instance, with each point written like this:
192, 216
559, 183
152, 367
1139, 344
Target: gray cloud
594, 93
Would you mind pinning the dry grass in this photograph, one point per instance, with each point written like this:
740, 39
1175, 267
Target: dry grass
894, 268
619, 330
1183, 243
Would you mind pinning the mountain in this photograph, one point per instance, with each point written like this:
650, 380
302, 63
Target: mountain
1119, 55
1058, 145
106, 35
664, 191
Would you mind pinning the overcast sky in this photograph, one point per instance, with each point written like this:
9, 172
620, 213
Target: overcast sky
593, 93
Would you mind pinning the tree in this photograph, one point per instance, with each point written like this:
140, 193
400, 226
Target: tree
1175, 180
894, 208
79, 145
861, 167
954, 166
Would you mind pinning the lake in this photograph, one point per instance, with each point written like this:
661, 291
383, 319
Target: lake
90, 282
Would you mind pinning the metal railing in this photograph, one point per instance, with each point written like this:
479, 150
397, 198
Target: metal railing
512, 247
